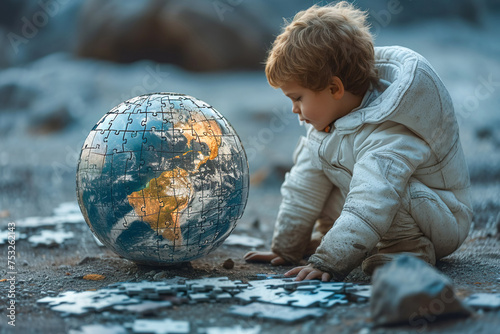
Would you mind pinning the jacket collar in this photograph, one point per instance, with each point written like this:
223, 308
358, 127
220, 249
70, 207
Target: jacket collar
396, 66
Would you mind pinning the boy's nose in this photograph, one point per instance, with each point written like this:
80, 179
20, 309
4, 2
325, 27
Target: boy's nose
295, 110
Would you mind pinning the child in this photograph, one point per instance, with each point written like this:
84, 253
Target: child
382, 171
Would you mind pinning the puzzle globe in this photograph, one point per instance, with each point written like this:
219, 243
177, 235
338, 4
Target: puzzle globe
162, 179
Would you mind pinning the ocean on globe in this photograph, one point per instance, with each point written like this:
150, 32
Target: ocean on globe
162, 179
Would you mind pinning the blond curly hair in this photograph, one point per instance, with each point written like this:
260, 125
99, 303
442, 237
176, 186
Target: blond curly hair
322, 42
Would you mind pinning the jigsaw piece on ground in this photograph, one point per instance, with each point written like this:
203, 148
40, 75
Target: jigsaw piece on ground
265, 276
230, 330
487, 301
359, 293
144, 308
243, 240
281, 313
208, 284
260, 293
146, 288
304, 298
286, 283
96, 329
78, 303
4, 236
164, 326
66, 297
50, 238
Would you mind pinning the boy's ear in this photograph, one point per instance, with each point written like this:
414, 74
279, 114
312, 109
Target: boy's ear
336, 88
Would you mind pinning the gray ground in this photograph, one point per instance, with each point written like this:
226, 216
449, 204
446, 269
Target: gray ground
37, 173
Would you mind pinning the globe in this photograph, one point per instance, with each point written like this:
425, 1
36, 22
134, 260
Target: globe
162, 179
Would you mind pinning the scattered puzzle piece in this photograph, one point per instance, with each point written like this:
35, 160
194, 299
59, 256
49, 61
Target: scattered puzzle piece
487, 301
207, 284
244, 241
359, 293
50, 238
65, 213
4, 236
98, 329
144, 308
230, 330
165, 326
260, 293
304, 298
281, 313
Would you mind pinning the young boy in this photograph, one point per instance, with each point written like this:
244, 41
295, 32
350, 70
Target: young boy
382, 171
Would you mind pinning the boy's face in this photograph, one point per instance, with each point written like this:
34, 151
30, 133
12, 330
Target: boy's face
319, 109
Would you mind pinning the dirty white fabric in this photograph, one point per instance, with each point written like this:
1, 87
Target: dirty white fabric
398, 152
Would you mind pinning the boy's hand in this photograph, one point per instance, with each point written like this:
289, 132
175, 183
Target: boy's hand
308, 272
267, 257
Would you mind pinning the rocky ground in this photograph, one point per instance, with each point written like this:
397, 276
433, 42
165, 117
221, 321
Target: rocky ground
50, 105
47, 271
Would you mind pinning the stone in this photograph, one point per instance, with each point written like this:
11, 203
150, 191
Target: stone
196, 34
228, 264
408, 290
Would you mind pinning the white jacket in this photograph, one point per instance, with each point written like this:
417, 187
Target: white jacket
399, 149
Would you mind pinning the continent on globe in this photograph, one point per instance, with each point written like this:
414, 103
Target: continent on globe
162, 200
204, 131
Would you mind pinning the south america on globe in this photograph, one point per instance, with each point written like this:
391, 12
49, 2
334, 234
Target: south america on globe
162, 179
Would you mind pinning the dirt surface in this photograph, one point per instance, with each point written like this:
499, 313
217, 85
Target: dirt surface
46, 271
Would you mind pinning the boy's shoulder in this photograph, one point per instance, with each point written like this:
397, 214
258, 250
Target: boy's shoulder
410, 93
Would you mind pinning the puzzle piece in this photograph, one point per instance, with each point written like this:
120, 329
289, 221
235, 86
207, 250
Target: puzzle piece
335, 300
487, 301
50, 238
199, 297
359, 293
281, 313
243, 240
338, 287
78, 303
230, 330
4, 236
144, 308
165, 326
272, 283
65, 213
304, 298
287, 283
210, 283
66, 297
260, 293
265, 276
96, 329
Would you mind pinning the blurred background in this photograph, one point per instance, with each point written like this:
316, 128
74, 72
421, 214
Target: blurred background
64, 63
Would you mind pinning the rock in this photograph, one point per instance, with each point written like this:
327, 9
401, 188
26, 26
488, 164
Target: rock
196, 34
52, 121
228, 264
159, 276
410, 291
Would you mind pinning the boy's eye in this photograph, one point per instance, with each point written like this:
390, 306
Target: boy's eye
299, 98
